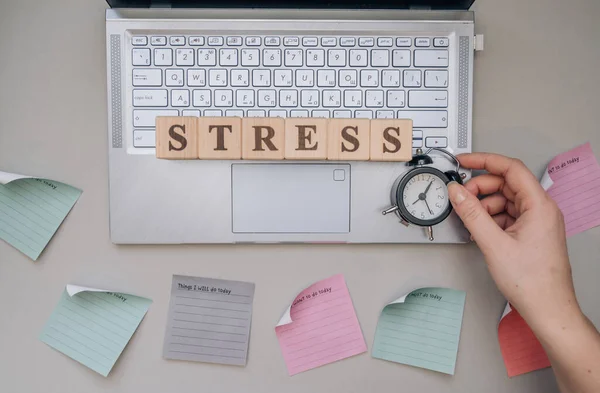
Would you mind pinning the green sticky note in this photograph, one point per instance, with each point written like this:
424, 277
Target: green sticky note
31, 210
422, 329
93, 326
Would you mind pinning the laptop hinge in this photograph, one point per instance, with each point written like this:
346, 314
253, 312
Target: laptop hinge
420, 7
160, 4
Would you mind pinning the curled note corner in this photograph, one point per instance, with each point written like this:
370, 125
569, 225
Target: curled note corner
73, 290
546, 181
507, 310
286, 318
6, 177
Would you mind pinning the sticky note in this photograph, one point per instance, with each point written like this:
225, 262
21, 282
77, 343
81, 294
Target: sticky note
521, 350
421, 329
572, 180
93, 326
209, 320
320, 327
31, 210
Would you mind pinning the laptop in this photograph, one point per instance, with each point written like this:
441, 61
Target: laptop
294, 58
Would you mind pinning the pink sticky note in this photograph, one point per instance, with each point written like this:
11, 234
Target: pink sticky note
573, 181
521, 350
320, 327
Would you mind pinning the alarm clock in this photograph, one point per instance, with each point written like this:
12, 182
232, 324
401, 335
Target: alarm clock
420, 196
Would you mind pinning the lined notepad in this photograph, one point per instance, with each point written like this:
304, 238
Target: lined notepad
209, 320
93, 326
422, 329
572, 179
31, 210
320, 327
521, 350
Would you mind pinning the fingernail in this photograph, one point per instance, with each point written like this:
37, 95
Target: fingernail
456, 192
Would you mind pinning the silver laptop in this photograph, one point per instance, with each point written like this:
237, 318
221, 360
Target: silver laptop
291, 58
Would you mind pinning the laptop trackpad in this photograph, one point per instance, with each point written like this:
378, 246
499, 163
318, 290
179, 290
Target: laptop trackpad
291, 198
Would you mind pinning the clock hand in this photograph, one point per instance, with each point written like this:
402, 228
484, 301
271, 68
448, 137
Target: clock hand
428, 187
416, 201
428, 208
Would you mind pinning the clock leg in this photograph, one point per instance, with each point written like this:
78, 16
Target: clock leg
429, 233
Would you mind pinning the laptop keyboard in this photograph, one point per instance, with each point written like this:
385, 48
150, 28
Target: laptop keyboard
291, 76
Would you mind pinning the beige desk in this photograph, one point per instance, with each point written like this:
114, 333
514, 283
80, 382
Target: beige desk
537, 93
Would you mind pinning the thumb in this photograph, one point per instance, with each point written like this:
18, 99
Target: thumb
482, 226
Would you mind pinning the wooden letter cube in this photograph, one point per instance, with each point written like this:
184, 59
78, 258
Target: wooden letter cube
220, 138
263, 138
348, 139
306, 139
177, 138
391, 139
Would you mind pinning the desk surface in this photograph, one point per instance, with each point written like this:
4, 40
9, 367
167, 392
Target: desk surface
537, 93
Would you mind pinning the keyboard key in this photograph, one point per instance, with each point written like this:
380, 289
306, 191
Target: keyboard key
144, 138
163, 57
234, 41
431, 58
309, 98
348, 78
266, 98
310, 41
244, 98
272, 41
336, 58
140, 57
299, 113
147, 117
326, 78
228, 57
422, 42
315, 57
332, 98
380, 58
436, 141
190, 112
436, 78
362, 114
272, 58
256, 113
261, 78
417, 143
139, 41
374, 98
369, 78
353, 98
180, 98
223, 98
320, 113
366, 41
278, 113
293, 57
342, 114
396, 98
385, 41
217, 77
234, 113
428, 99
196, 77
207, 57
250, 57
347, 41
201, 98
215, 41
213, 113
184, 57
196, 41
401, 58
240, 78
158, 41
384, 114
253, 41
146, 77
177, 40
359, 58
403, 42
425, 119
282, 78
441, 42
412, 78
149, 97
291, 41
390, 78
174, 77
328, 41
417, 134
305, 78
288, 98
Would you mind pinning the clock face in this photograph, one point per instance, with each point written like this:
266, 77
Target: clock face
423, 197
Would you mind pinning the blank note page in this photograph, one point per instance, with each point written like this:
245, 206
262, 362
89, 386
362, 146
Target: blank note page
423, 331
324, 327
521, 350
31, 210
94, 327
209, 320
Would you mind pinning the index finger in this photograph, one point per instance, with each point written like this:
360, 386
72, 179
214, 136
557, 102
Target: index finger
517, 176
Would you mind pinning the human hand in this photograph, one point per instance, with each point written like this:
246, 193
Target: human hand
521, 232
